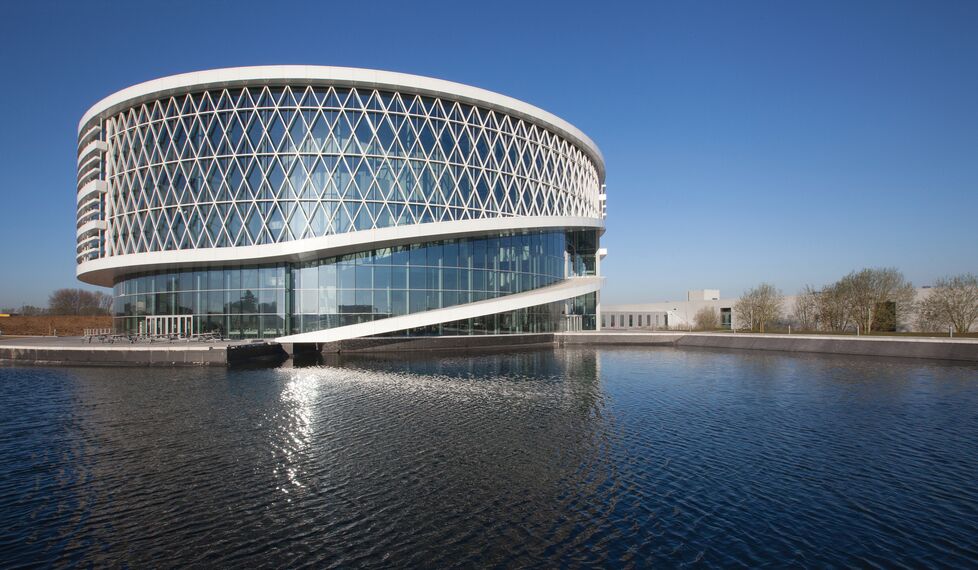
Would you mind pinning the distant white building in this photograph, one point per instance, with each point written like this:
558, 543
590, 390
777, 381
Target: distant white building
667, 314
681, 314
703, 295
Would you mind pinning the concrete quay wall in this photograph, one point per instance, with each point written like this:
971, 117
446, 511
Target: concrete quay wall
599, 338
48, 351
71, 352
937, 349
930, 348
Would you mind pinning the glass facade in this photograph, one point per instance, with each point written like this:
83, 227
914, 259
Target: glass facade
239, 302
269, 164
213, 162
539, 319
287, 298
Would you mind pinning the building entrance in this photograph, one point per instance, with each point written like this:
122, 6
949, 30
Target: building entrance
180, 325
573, 323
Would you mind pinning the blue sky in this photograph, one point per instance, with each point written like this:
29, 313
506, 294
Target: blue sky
788, 142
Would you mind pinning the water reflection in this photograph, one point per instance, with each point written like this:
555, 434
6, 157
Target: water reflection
299, 398
547, 458
477, 446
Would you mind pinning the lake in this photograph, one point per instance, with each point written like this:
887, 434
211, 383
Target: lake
616, 457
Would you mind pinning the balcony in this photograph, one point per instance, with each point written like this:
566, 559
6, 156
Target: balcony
89, 227
93, 187
91, 133
90, 149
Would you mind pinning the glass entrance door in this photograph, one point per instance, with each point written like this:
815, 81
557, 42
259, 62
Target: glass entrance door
169, 325
573, 323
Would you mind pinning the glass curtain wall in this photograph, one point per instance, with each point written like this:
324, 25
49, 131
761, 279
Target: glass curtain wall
539, 319
267, 164
395, 281
274, 300
587, 307
238, 302
582, 249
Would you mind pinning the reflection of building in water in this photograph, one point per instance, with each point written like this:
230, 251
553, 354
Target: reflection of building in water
445, 443
571, 374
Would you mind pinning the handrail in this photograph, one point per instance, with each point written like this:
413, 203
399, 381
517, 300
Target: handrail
87, 227
86, 176
95, 145
93, 203
91, 187
86, 217
84, 164
84, 136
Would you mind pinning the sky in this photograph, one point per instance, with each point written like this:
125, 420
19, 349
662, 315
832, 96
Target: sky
745, 142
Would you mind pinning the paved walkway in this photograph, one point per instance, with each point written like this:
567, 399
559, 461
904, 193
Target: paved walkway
69, 342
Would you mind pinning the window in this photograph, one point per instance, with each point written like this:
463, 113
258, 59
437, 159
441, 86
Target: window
346, 275
382, 281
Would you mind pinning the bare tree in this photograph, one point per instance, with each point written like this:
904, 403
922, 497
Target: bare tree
952, 302
31, 311
64, 302
806, 310
759, 306
834, 307
78, 302
707, 319
877, 299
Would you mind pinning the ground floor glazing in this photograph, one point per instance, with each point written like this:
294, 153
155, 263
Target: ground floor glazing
267, 301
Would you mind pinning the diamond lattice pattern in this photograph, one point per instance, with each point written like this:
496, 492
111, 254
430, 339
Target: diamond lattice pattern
266, 165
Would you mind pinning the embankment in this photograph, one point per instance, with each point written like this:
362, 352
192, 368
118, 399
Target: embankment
76, 351
895, 347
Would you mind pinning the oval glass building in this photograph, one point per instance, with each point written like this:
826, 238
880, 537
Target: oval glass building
312, 204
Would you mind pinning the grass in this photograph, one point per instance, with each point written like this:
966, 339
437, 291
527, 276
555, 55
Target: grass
46, 325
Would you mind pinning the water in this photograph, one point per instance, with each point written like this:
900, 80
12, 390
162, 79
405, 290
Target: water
610, 457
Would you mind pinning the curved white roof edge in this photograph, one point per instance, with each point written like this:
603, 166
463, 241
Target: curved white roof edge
345, 76
566, 289
103, 271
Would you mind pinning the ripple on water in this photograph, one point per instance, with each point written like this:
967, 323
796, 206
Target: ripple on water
616, 457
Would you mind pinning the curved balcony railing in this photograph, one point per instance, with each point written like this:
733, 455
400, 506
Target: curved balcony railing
90, 134
91, 149
90, 227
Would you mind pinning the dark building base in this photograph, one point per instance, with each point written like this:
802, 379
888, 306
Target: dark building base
427, 343
73, 351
